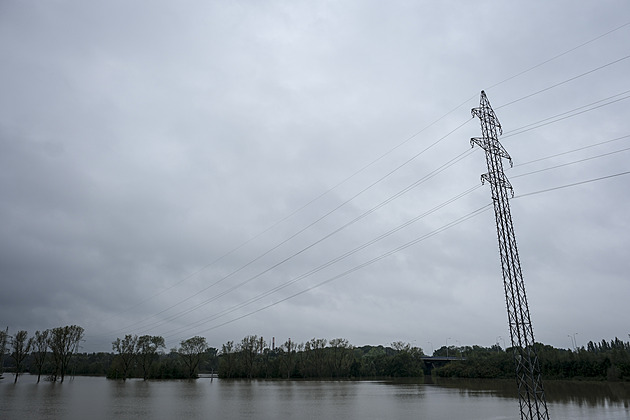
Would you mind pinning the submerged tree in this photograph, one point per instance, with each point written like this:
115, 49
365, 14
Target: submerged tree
127, 350
63, 343
148, 347
227, 362
249, 348
20, 347
39, 350
191, 353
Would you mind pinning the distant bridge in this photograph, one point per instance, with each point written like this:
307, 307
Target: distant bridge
432, 362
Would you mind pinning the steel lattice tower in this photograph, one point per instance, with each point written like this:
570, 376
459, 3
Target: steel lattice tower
530, 388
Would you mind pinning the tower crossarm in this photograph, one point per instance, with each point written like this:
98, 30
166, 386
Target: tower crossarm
491, 145
498, 179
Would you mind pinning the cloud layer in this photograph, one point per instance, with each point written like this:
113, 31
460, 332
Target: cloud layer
234, 168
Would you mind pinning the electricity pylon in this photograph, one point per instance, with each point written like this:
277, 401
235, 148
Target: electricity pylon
530, 388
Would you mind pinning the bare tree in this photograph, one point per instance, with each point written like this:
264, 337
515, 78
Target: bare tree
20, 348
39, 350
148, 347
191, 352
127, 350
63, 343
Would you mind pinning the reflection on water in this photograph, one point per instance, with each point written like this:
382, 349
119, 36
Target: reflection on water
565, 392
434, 398
594, 393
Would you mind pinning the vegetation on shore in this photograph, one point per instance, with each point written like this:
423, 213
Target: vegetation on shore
146, 357
318, 358
606, 360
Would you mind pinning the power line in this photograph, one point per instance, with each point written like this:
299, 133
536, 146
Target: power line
334, 260
404, 246
571, 151
539, 124
572, 112
558, 56
312, 244
251, 300
564, 81
409, 160
408, 188
572, 185
572, 163
361, 266
284, 285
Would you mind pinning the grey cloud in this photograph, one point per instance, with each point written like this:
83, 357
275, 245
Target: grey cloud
148, 153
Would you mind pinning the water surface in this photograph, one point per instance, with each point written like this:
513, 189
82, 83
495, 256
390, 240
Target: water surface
99, 398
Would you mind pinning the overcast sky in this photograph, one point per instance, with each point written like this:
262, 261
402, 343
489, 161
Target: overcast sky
303, 169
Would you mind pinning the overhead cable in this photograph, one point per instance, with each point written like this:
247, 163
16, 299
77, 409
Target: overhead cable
563, 82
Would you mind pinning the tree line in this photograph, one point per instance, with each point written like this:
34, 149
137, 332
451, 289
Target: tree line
57, 346
317, 358
606, 360
54, 353
144, 357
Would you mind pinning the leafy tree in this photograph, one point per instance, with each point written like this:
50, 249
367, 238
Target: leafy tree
316, 356
127, 350
20, 348
40, 350
401, 346
249, 348
288, 359
191, 352
227, 363
373, 361
302, 361
63, 343
148, 347
209, 361
169, 366
406, 362
340, 357
93, 363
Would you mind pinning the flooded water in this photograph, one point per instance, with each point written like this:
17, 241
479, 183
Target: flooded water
99, 398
